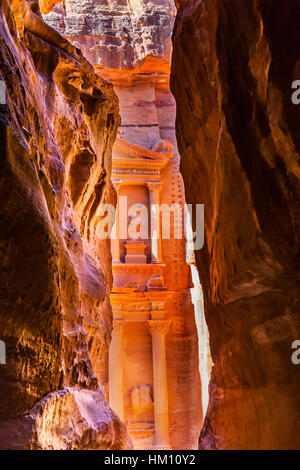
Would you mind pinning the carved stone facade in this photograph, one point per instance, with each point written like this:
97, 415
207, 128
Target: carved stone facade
151, 358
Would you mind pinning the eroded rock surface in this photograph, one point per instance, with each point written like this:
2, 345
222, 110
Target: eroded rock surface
116, 33
237, 128
56, 133
85, 423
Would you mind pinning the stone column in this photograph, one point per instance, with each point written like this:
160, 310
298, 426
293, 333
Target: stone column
115, 242
116, 369
158, 329
154, 188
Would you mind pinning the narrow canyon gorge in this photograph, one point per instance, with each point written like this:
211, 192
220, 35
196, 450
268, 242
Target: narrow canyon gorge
141, 342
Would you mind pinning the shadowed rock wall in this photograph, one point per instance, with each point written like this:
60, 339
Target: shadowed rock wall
56, 132
238, 136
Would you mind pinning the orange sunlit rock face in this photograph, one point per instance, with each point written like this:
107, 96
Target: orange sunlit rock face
154, 378
47, 5
238, 135
115, 33
57, 127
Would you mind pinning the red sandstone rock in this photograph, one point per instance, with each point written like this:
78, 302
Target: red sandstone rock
238, 135
56, 135
115, 33
69, 419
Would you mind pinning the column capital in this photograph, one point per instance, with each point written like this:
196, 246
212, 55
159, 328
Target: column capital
154, 185
117, 327
158, 327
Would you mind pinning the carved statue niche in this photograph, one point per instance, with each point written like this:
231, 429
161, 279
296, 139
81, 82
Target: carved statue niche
131, 285
163, 146
156, 283
141, 399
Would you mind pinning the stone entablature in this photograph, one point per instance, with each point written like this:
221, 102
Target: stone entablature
135, 164
130, 305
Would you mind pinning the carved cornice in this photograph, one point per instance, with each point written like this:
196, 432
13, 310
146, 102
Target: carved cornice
127, 149
134, 171
134, 159
124, 295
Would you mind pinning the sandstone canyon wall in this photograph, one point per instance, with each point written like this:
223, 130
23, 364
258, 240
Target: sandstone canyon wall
237, 129
129, 44
56, 133
119, 34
